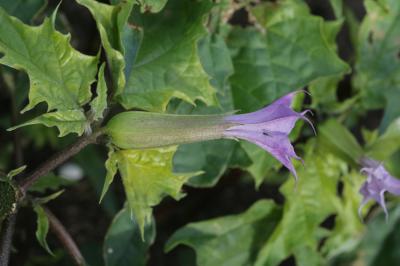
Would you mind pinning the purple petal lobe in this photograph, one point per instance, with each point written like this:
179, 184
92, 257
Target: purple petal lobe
269, 128
378, 182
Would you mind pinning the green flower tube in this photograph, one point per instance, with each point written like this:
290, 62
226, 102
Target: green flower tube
139, 130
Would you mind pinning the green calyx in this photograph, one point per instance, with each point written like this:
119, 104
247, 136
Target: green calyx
139, 130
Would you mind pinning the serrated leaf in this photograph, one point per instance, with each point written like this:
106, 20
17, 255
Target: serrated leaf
305, 208
111, 167
153, 6
268, 65
110, 21
166, 64
67, 121
147, 177
99, 103
378, 65
123, 245
210, 157
59, 75
347, 232
42, 227
25, 10
229, 240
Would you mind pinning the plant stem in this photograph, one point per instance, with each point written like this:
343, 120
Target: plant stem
65, 238
7, 230
6, 238
58, 159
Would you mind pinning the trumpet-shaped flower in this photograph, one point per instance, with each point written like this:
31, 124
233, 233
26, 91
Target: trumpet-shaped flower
378, 182
268, 128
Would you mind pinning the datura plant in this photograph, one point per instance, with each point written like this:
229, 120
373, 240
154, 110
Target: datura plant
132, 128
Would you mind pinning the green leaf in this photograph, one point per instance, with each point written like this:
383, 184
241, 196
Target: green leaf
67, 121
337, 139
44, 200
25, 10
123, 245
15, 172
153, 6
110, 21
378, 65
42, 227
8, 199
269, 65
305, 208
59, 75
99, 103
348, 229
111, 167
229, 240
380, 244
166, 64
386, 144
147, 177
210, 157
50, 182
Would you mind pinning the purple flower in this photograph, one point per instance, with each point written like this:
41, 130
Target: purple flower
269, 128
378, 182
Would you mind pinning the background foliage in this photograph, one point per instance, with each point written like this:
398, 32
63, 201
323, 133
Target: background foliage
66, 69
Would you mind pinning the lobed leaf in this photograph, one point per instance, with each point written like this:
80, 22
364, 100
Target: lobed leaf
166, 64
229, 240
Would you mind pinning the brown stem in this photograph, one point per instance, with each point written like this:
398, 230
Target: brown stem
58, 159
65, 238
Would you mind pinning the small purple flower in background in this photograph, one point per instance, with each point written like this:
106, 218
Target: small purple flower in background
378, 182
269, 128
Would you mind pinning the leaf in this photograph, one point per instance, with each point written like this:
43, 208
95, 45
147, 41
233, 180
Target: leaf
347, 232
386, 144
44, 200
123, 245
59, 75
147, 177
335, 138
112, 168
153, 6
42, 227
110, 21
67, 121
50, 182
8, 199
166, 64
380, 242
25, 10
269, 65
378, 65
15, 172
229, 240
99, 103
304, 210
210, 157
